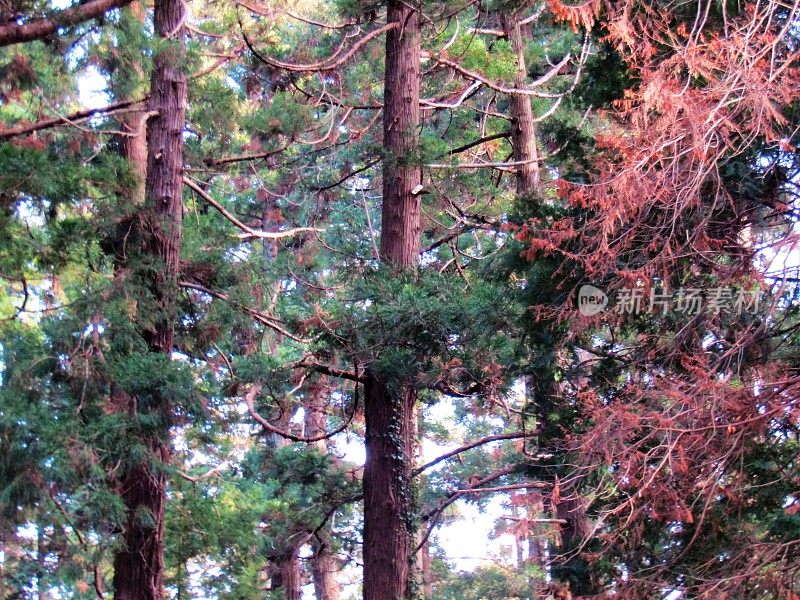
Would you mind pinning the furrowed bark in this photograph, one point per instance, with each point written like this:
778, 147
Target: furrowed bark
387, 491
139, 564
287, 576
400, 228
523, 129
389, 405
16, 33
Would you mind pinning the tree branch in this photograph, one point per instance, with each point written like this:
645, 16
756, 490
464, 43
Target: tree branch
262, 318
17, 33
470, 446
249, 399
326, 65
65, 120
249, 233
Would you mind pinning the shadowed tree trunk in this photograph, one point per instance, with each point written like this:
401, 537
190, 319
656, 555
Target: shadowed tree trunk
528, 183
286, 576
389, 404
324, 565
139, 564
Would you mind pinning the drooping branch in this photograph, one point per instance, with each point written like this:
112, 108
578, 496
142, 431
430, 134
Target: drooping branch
432, 515
309, 21
353, 173
259, 316
470, 446
226, 160
17, 33
498, 87
81, 115
249, 399
328, 64
249, 233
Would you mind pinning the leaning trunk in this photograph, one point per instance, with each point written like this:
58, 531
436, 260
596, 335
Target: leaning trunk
139, 564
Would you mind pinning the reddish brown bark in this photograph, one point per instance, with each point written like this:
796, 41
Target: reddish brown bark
139, 564
17, 33
400, 226
324, 569
286, 576
387, 491
389, 406
523, 129
135, 124
324, 564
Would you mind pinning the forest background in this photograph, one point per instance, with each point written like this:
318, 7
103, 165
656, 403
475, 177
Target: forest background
289, 291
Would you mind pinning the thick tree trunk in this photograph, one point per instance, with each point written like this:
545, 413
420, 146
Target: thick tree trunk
387, 492
400, 225
523, 130
325, 566
389, 405
139, 564
287, 576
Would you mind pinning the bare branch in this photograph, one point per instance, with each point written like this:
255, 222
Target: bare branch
65, 120
470, 446
529, 91
249, 399
249, 233
329, 64
261, 317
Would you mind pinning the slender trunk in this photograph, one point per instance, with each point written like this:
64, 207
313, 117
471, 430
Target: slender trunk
324, 565
518, 536
2, 568
389, 405
41, 568
528, 182
537, 549
523, 130
139, 564
427, 571
134, 123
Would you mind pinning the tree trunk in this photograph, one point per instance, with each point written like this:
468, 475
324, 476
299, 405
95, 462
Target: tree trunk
324, 565
287, 576
400, 225
389, 405
523, 130
387, 492
324, 569
139, 564
135, 124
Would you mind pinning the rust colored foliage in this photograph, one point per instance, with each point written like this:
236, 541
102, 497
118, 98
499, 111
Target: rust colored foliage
686, 418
